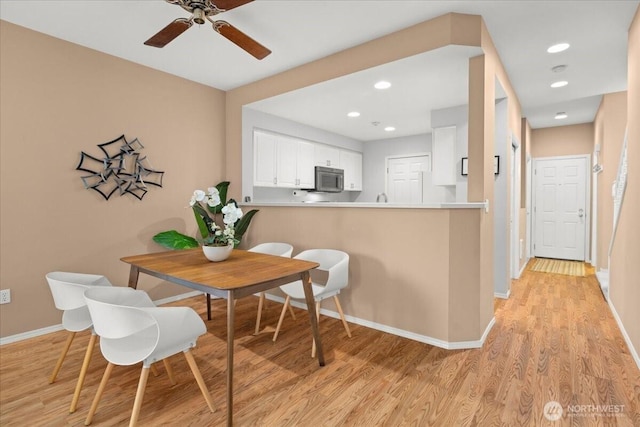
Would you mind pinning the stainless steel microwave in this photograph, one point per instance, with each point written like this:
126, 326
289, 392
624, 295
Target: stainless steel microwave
329, 180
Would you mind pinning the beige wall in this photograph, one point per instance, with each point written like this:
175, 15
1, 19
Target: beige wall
624, 284
469, 285
58, 99
562, 140
398, 275
609, 128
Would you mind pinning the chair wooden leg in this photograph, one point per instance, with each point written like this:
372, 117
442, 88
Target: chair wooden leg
83, 372
291, 311
313, 344
260, 304
287, 301
137, 404
96, 399
196, 373
208, 306
67, 345
169, 370
154, 371
344, 322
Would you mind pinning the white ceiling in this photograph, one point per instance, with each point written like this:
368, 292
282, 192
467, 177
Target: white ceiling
300, 31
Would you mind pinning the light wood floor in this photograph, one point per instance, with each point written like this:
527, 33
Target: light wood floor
554, 339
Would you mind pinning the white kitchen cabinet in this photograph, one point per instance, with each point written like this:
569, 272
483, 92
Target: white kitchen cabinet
304, 163
326, 155
351, 162
264, 159
282, 161
444, 156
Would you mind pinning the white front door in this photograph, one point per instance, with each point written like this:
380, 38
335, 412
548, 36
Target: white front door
405, 178
560, 209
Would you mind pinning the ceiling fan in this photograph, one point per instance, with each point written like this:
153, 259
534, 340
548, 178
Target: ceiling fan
206, 9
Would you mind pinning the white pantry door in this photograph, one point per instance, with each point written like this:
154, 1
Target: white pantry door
404, 178
560, 208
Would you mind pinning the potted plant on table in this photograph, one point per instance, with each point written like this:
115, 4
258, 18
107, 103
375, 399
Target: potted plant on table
217, 239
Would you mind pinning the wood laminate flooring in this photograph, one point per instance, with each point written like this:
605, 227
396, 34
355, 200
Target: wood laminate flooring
554, 340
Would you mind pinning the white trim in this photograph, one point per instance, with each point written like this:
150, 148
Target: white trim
55, 328
502, 295
447, 345
524, 266
603, 279
30, 334
178, 297
632, 350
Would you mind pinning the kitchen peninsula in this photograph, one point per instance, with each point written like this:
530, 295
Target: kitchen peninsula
414, 270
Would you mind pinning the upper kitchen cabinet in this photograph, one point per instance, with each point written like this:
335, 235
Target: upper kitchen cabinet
264, 159
326, 155
351, 162
282, 161
444, 156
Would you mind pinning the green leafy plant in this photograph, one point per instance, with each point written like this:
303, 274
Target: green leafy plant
206, 207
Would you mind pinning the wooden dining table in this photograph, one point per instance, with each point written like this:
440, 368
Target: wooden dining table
244, 273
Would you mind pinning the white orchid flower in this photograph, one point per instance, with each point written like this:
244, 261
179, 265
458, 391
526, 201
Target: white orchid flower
231, 213
199, 195
213, 200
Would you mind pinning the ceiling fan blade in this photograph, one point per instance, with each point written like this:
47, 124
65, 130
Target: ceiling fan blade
241, 39
170, 32
229, 4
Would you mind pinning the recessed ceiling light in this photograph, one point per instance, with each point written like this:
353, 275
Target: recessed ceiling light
353, 114
389, 128
382, 85
561, 115
561, 83
558, 47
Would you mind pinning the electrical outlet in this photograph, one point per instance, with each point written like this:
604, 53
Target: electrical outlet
5, 296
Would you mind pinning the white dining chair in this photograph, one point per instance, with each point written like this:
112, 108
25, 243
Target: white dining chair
67, 290
336, 265
270, 248
129, 335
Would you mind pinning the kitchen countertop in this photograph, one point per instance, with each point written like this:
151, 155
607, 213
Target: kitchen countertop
320, 204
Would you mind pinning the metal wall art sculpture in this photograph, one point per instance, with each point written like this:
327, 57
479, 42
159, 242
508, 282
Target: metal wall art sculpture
122, 169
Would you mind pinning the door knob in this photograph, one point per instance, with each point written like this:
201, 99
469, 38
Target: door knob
580, 213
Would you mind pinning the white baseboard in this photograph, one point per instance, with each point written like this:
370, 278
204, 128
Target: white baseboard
447, 345
30, 334
524, 266
632, 350
55, 328
502, 295
603, 279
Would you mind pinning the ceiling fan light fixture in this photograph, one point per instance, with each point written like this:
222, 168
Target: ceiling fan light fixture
198, 16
